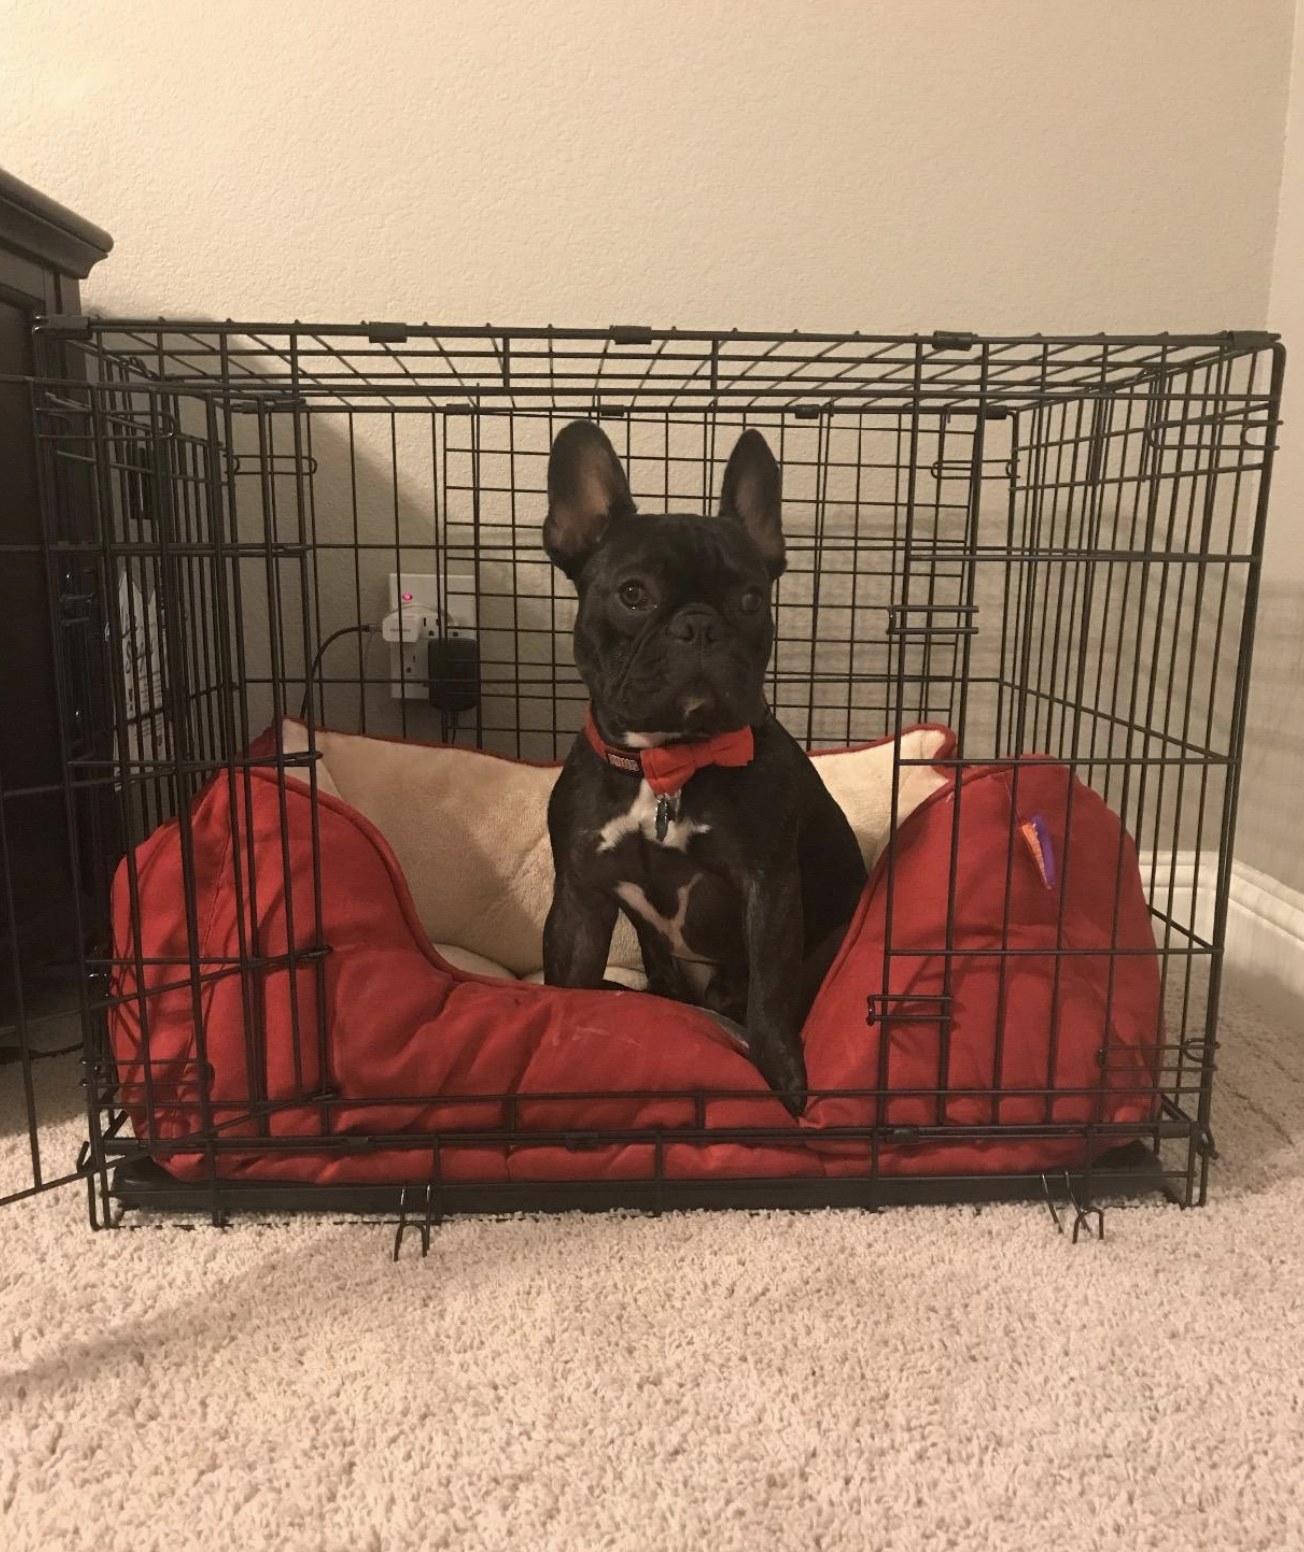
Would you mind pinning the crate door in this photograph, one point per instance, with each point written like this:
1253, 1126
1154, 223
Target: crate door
58, 783
169, 626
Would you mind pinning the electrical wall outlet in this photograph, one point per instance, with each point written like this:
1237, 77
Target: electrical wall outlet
447, 607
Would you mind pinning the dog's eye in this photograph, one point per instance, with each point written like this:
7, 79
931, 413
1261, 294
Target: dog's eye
751, 600
635, 596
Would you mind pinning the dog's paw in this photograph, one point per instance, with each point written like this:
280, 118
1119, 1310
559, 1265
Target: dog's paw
795, 1101
784, 1070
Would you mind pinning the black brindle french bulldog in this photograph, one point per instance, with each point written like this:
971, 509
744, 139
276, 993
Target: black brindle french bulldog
684, 804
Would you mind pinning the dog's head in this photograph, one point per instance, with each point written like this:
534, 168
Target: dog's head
674, 627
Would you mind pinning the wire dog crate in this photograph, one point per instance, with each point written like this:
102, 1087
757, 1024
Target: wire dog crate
1050, 545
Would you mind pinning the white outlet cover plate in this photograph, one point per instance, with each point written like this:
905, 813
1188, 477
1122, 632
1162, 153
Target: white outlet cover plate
407, 664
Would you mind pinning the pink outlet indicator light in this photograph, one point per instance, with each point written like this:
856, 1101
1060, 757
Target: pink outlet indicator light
407, 598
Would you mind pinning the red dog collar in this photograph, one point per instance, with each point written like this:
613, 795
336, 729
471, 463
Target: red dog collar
670, 767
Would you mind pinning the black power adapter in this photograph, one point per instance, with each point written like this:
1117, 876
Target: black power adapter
453, 668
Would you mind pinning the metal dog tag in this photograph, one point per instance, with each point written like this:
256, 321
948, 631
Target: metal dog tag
663, 817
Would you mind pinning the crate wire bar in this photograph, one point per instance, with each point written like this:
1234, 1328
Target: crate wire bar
1051, 545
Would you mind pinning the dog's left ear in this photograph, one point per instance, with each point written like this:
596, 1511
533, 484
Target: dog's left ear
752, 494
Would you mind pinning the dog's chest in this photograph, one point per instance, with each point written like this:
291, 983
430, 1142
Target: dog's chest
676, 829
670, 882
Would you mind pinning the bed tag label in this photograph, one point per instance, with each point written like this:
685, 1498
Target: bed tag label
1037, 837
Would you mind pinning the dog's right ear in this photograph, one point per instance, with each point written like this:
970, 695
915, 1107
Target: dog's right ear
587, 489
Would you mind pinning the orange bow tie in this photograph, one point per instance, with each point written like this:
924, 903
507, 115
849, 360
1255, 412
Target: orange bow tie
670, 767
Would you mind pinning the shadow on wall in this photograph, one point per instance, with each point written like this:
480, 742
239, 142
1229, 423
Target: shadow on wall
373, 491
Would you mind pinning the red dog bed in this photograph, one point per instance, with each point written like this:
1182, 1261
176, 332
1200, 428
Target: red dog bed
402, 1040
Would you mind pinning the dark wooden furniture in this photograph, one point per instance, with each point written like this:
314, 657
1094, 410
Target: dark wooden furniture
45, 251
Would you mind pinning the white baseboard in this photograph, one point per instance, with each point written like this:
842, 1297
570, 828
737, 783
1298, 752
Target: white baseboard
1265, 929
1265, 918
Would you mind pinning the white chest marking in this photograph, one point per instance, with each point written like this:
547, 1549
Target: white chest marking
647, 740
671, 928
640, 818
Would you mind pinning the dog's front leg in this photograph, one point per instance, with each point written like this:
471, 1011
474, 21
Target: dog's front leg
577, 934
773, 928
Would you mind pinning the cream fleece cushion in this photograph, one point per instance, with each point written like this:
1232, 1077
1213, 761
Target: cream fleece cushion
470, 833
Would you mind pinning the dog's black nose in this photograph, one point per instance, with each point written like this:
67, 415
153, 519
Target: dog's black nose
696, 624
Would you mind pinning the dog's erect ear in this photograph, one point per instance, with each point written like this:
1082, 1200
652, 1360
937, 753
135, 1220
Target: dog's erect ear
752, 494
587, 488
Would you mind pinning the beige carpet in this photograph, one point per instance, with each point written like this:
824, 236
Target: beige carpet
929, 1379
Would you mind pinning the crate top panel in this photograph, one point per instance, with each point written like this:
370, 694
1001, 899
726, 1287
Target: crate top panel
631, 370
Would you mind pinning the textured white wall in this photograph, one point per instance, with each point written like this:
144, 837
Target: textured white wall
1286, 316
1270, 835
882, 164
1021, 165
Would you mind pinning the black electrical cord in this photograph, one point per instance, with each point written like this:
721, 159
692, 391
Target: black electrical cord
344, 630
